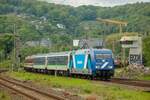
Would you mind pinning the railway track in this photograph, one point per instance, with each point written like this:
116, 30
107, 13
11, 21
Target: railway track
30, 92
131, 82
3, 70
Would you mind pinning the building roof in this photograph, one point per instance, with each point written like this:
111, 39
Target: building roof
129, 38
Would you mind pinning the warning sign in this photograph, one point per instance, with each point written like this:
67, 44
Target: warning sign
135, 59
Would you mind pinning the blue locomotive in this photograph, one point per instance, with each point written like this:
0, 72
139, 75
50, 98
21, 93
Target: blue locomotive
92, 62
85, 62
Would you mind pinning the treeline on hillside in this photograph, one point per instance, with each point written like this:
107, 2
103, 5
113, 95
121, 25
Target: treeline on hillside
137, 15
35, 20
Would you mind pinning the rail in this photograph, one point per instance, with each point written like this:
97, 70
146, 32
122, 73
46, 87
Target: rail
28, 91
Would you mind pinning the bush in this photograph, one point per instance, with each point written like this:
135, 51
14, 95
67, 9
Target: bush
5, 64
146, 51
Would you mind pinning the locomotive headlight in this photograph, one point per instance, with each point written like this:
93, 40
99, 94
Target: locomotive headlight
96, 66
109, 66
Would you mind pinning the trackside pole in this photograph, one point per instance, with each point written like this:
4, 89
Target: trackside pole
56, 71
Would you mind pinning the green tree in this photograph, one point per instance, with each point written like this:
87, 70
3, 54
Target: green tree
146, 50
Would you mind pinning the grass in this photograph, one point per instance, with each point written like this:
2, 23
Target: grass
4, 95
81, 86
145, 77
5, 64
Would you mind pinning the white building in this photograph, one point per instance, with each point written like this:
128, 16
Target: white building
135, 45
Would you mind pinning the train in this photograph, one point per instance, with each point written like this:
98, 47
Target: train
91, 63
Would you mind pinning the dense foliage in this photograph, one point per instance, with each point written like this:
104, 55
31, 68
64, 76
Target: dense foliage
146, 50
61, 24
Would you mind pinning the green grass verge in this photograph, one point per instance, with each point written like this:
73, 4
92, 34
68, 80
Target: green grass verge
5, 64
4, 96
145, 77
82, 86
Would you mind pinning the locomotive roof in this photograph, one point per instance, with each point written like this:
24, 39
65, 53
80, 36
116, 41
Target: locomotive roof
66, 53
101, 50
104, 49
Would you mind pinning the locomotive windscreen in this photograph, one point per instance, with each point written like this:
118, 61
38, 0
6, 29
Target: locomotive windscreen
103, 56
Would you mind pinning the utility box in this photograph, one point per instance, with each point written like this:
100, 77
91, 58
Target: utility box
135, 45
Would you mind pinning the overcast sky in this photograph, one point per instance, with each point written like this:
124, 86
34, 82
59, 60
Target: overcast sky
95, 2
